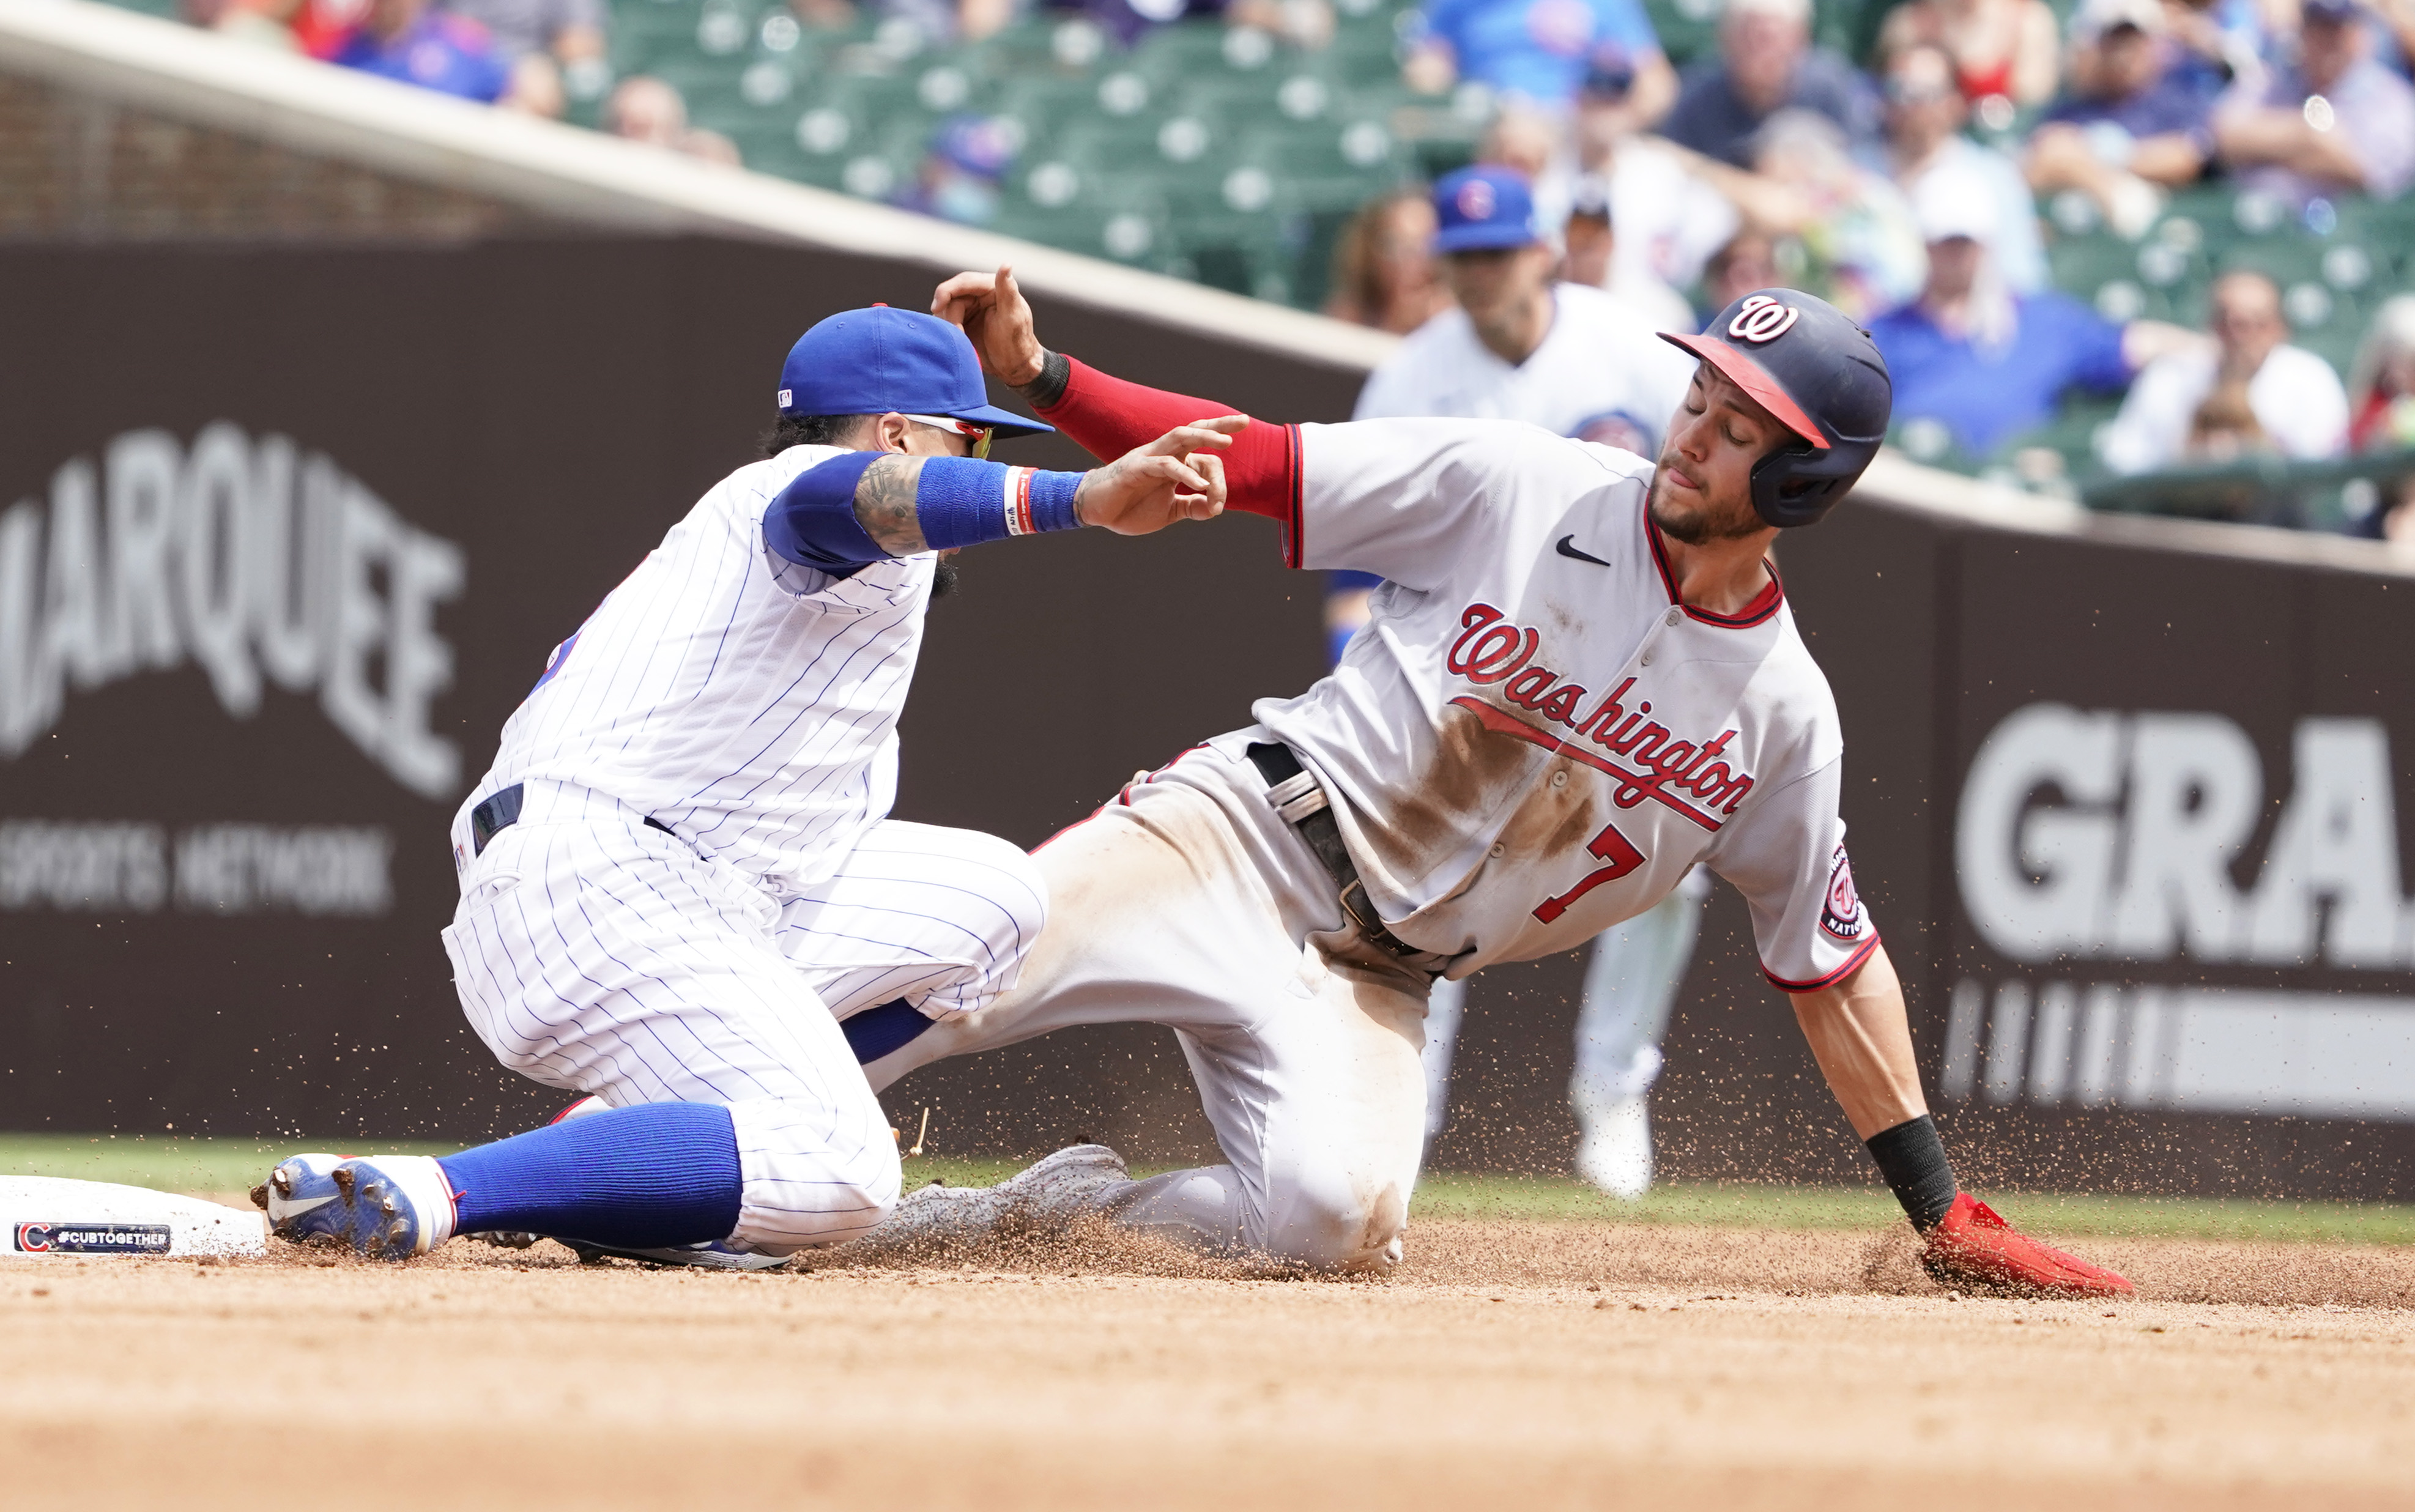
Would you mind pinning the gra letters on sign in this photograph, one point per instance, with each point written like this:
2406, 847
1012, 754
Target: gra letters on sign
2099, 834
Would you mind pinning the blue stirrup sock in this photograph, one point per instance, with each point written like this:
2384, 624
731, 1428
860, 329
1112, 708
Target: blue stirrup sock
877, 1031
646, 1177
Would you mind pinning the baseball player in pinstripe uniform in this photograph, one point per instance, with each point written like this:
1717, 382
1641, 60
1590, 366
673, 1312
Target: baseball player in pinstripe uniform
1581, 680
681, 891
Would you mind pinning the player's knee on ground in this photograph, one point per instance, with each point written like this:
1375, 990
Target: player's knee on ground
1331, 1220
812, 1171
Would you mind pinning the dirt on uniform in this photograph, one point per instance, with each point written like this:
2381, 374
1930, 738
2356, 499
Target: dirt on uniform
1508, 1364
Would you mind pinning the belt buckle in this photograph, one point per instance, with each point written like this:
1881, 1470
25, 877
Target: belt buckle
1374, 933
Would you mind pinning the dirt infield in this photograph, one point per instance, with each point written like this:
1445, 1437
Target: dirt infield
1524, 1365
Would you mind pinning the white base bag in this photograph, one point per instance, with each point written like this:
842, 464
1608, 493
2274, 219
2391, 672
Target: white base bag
51, 1218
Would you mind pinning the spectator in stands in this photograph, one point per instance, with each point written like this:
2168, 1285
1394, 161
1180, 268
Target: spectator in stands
268, 24
1537, 146
1540, 51
1850, 234
404, 40
2217, 43
2397, 19
1924, 115
1664, 220
310, 27
1997, 50
1589, 256
968, 156
2381, 381
1518, 345
1587, 240
545, 42
1305, 23
2225, 427
1765, 65
645, 108
1384, 272
1747, 263
2293, 395
2335, 122
2128, 129
1985, 362
953, 20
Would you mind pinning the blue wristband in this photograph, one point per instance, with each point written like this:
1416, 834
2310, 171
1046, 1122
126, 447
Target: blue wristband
960, 501
1051, 501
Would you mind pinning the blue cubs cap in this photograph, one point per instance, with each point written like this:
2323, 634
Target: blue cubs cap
881, 361
1483, 209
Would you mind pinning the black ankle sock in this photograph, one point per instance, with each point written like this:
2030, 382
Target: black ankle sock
1912, 1160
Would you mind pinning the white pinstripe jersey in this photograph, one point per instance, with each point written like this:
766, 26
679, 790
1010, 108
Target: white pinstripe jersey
747, 702
1533, 740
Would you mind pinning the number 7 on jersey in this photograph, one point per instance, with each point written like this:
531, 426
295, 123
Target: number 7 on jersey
1609, 846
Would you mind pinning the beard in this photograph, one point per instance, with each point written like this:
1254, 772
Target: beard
1701, 524
943, 579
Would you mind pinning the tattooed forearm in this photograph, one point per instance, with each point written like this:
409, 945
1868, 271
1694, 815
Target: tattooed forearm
884, 504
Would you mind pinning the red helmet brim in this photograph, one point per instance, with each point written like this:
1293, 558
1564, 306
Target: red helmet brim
1749, 376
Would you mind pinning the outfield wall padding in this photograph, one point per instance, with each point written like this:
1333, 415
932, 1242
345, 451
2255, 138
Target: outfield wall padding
2128, 816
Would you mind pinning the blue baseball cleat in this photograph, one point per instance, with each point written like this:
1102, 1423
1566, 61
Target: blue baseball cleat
300, 1184
387, 1208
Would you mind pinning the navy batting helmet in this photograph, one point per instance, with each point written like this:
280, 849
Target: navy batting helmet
1822, 376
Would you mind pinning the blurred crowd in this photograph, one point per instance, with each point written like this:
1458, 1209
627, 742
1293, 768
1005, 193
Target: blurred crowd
1906, 191
1908, 195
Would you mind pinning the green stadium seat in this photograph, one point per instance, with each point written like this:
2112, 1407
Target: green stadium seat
1133, 233
2071, 436
1048, 103
1324, 166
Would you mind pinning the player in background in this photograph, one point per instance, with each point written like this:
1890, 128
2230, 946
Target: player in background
1577, 362
1581, 679
681, 890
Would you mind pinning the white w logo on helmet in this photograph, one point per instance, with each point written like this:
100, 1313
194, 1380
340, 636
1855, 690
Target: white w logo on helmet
1761, 319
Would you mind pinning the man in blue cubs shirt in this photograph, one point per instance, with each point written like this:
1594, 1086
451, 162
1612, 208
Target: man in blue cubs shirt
401, 40
1988, 364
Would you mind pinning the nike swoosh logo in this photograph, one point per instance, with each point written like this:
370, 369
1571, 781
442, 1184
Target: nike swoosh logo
295, 1210
1568, 550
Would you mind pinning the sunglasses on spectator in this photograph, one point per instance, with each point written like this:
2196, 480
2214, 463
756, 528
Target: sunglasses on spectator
981, 434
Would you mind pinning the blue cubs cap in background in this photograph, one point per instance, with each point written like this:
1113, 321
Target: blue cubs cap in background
881, 361
1483, 209
1821, 376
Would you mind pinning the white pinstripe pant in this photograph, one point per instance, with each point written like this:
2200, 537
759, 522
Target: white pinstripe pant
598, 956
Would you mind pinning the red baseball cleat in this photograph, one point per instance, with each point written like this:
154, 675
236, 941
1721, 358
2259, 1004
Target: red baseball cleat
1973, 1249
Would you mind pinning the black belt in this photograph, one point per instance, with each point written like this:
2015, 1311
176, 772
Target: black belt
500, 811
1279, 764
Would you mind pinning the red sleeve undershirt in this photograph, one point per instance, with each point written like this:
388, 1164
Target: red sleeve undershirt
1107, 418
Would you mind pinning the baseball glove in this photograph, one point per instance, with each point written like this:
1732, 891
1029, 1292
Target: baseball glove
1974, 1249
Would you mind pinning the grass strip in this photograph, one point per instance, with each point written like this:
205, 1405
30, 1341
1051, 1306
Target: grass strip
172, 1163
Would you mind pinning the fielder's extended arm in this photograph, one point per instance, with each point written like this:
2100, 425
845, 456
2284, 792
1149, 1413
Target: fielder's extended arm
870, 506
1861, 1035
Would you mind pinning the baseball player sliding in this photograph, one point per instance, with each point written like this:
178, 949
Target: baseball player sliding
1582, 679
681, 890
